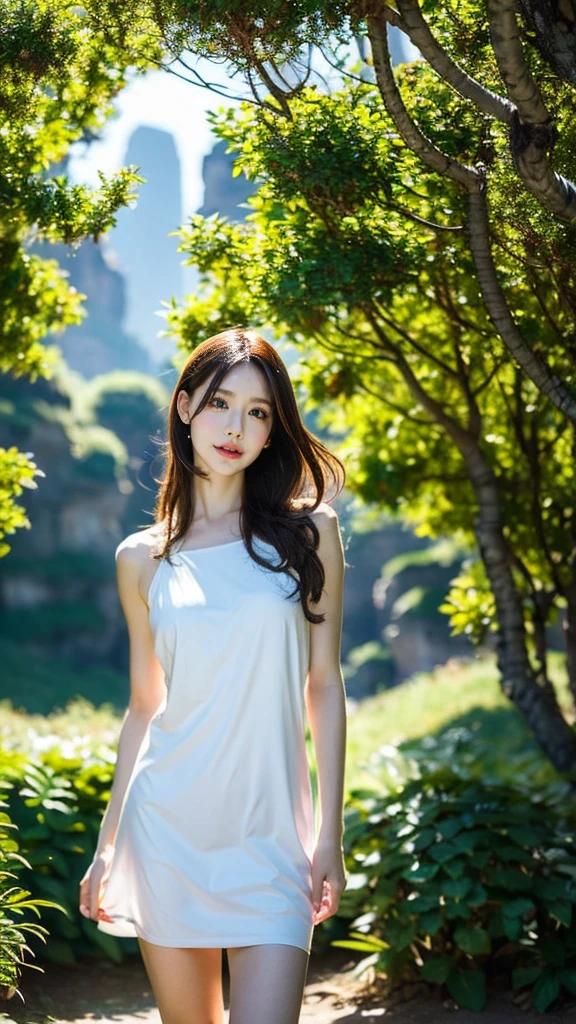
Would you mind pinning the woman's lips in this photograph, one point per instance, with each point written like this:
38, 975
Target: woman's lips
227, 454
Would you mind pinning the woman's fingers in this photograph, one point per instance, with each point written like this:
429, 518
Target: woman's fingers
95, 895
91, 888
85, 897
329, 903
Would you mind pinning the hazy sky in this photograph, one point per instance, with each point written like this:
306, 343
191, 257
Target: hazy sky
162, 100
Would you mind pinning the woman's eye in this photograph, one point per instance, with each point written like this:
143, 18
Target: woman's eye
262, 417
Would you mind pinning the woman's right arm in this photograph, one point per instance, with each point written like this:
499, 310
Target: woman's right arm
147, 690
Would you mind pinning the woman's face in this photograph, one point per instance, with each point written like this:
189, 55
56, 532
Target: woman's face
238, 415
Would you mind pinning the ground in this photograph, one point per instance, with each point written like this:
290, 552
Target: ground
109, 993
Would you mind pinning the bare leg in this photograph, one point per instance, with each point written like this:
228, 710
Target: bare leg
186, 982
266, 983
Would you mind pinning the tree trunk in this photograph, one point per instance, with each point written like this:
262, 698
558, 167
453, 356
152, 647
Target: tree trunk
537, 701
553, 27
570, 637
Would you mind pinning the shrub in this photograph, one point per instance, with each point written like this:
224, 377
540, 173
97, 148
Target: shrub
57, 802
14, 902
453, 878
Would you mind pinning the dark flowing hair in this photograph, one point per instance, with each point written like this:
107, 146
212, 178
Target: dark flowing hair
282, 486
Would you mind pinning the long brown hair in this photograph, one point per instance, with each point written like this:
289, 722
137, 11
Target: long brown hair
283, 485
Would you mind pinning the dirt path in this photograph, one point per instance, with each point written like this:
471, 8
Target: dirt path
120, 994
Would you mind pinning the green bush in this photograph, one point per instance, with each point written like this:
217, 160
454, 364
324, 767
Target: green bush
455, 878
15, 901
57, 802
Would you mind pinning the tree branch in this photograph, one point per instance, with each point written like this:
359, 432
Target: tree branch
532, 132
553, 25
416, 28
413, 137
538, 371
445, 367
520, 84
429, 424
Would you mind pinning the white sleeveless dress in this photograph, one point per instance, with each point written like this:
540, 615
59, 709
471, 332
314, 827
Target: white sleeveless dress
216, 832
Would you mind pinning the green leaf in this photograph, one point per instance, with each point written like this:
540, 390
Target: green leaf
467, 841
454, 909
510, 878
468, 989
525, 836
515, 853
546, 990
562, 912
425, 839
517, 908
454, 868
551, 888
353, 944
480, 858
477, 895
421, 872
523, 976
457, 888
449, 827
437, 969
420, 904
443, 852
473, 940
513, 927
430, 922
400, 934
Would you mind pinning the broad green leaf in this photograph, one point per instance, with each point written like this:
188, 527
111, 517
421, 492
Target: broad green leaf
430, 922
517, 908
475, 941
443, 852
523, 976
437, 969
468, 989
546, 990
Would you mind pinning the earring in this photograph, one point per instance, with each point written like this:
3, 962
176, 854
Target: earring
267, 445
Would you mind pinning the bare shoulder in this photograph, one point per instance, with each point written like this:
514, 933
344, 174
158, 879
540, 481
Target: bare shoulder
326, 517
136, 566
136, 549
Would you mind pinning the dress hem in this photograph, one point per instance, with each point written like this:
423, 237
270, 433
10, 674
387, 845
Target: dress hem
214, 944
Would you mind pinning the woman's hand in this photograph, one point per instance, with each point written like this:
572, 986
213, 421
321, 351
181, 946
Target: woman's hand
328, 878
91, 884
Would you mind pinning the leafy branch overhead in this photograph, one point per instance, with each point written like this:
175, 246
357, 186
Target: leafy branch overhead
395, 237
58, 76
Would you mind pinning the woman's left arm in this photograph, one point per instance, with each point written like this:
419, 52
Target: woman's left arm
325, 698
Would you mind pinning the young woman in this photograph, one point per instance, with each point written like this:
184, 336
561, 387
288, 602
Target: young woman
233, 602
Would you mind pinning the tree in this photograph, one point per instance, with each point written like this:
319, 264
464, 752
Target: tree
58, 75
400, 226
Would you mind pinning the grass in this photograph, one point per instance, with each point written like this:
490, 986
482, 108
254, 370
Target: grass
457, 694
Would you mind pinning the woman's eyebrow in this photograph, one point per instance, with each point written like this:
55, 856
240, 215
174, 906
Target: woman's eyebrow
264, 400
